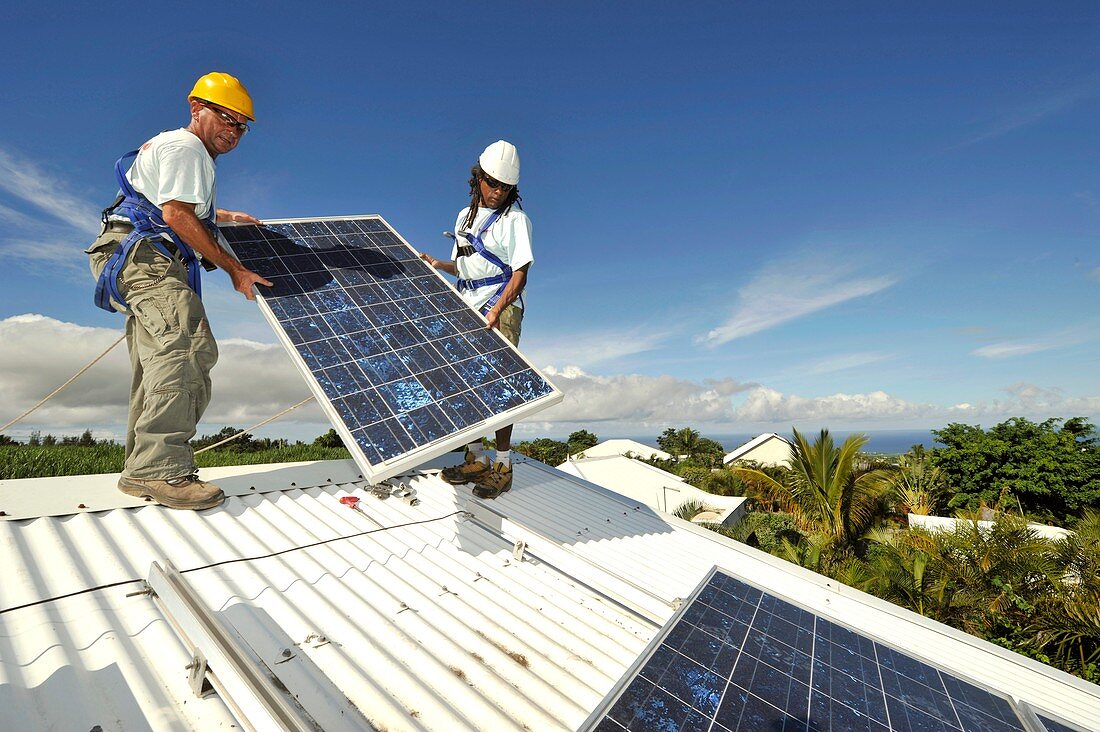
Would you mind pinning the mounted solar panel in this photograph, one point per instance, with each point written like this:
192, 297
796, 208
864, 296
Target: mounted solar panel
402, 367
737, 659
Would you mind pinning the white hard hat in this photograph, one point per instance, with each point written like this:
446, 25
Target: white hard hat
501, 161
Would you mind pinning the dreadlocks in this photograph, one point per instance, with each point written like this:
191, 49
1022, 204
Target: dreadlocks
475, 196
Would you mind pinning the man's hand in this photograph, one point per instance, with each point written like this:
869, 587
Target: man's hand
493, 316
243, 279
181, 217
236, 217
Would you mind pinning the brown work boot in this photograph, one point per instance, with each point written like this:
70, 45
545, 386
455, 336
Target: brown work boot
184, 492
496, 481
469, 471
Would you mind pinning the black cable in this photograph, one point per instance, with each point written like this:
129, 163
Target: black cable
228, 561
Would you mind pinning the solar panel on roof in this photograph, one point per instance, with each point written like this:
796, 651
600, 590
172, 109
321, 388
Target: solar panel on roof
404, 369
735, 658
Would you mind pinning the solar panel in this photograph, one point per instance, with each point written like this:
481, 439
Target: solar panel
403, 368
735, 658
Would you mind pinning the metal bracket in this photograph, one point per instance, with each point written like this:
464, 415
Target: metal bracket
196, 675
517, 550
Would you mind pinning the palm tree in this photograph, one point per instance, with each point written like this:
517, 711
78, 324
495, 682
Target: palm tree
825, 491
1068, 627
917, 484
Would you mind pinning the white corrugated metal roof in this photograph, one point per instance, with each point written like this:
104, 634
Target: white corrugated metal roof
621, 446
639, 481
429, 624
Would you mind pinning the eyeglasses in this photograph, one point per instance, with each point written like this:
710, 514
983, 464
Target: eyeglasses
496, 184
228, 119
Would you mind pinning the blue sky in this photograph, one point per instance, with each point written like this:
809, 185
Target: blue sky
746, 216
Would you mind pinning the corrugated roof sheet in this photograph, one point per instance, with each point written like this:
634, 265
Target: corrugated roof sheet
429, 624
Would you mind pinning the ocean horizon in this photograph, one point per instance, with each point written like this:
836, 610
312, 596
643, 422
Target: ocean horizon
885, 442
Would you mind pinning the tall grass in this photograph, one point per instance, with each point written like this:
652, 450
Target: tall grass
24, 461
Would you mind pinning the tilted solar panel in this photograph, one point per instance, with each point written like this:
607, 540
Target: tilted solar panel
735, 659
403, 368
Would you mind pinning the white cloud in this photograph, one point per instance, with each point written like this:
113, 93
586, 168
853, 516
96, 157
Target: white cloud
1095, 274
1008, 349
639, 399
60, 227
28, 182
792, 289
1037, 109
768, 405
252, 381
589, 348
842, 362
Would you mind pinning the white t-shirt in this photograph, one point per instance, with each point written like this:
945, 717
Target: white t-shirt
175, 166
509, 238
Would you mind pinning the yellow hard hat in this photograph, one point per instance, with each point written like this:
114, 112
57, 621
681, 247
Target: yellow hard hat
224, 90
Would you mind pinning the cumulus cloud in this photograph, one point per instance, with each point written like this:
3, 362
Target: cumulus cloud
639, 399
768, 405
792, 289
252, 381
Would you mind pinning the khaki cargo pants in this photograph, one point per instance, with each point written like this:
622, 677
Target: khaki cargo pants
171, 353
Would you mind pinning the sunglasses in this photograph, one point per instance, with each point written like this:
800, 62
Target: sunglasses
496, 184
229, 120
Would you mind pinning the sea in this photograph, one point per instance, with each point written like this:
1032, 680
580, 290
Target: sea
882, 442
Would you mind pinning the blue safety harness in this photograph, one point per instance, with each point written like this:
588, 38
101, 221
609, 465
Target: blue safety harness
505, 271
149, 225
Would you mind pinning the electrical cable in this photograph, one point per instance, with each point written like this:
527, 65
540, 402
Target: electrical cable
119, 583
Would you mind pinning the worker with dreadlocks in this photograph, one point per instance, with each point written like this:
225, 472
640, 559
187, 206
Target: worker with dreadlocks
147, 264
491, 256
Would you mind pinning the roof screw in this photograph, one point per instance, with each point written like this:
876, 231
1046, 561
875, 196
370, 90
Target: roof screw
293, 483
148, 499
3, 513
81, 506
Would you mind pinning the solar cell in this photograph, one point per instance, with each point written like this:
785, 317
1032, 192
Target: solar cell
736, 658
403, 368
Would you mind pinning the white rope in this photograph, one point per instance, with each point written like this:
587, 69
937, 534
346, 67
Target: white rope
58, 389
255, 426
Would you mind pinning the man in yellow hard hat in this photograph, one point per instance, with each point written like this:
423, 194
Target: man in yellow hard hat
147, 261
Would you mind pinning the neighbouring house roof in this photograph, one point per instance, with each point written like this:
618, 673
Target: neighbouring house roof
947, 523
456, 613
755, 445
624, 447
658, 489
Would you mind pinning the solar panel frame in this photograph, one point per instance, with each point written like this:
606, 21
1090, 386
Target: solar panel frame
358, 306
700, 676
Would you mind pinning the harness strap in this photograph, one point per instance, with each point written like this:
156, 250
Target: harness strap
148, 222
505, 271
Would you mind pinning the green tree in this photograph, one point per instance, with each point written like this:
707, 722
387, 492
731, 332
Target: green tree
1053, 472
244, 443
544, 449
580, 441
825, 492
329, 439
917, 484
5, 440
689, 445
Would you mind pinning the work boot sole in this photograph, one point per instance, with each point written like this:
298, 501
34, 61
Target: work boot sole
141, 490
468, 477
